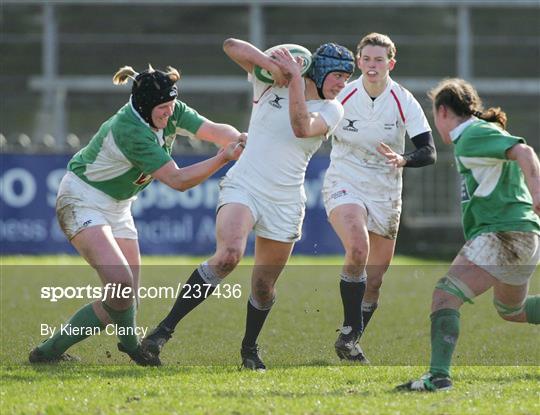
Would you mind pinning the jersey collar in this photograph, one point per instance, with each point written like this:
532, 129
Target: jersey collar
456, 132
365, 94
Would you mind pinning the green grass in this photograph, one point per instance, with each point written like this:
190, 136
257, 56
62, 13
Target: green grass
496, 362
286, 390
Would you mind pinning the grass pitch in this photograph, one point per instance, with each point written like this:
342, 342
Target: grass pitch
496, 362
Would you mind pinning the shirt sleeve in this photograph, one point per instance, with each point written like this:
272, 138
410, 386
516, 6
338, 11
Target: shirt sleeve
487, 141
332, 113
188, 121
415, 120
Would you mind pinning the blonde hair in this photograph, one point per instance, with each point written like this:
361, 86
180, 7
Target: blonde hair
377, 39
125, 72
463, 99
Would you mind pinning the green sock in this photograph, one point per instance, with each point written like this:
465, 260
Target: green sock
444, 336
124, 319
532, 309
81, 325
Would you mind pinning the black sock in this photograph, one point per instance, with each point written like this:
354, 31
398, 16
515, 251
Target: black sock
186, 301
367, 312
254, 322
351, 297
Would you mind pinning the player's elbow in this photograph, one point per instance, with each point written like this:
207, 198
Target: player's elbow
229, 44
301, 129
431, 155
182, 187
184, 183
177, 182
177, 185
301, 132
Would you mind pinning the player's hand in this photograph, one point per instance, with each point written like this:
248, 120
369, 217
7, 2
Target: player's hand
393, 158
242, 138
280, 80
289, 66
232, 151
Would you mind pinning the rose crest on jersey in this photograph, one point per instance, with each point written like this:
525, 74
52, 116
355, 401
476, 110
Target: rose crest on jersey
143, 179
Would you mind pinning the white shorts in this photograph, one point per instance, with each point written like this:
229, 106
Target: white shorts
510, 257
276, 221
80, 206
382, 216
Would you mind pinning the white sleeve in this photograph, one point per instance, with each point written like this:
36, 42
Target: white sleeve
415, 119
332, 113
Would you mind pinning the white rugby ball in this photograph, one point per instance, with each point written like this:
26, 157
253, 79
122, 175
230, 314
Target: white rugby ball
295, 50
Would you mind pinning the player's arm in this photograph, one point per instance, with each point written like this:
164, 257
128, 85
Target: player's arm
220, 134
424, 154
304, 123
247, 56
529, 164
184, 178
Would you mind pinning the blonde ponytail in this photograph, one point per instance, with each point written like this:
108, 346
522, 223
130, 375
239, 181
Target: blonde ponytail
173, 74
122, 75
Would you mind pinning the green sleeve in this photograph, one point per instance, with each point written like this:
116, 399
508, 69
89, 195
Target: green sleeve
187, 118
486, 140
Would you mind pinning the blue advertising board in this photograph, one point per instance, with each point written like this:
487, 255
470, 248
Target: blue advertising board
169, 222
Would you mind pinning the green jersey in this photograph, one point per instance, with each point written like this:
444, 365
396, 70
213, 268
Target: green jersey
125, 151
494, 195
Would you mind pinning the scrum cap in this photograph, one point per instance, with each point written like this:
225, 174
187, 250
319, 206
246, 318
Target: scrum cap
330, 57
151, 88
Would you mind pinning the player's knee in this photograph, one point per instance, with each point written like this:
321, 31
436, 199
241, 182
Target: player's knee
442, 299
509, 312
509, 318
229, 258
374, 283
121, 293
115, 274
451, 292
358, 253
263, 291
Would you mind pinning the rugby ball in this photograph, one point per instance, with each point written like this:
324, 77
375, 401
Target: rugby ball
295, 50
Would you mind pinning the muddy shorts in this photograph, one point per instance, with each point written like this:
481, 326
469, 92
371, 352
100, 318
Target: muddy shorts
382, 216
276, 221
80, 206
510, 257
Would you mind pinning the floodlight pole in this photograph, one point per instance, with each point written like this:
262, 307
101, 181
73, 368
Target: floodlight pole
464, 43
256, 26
51, 117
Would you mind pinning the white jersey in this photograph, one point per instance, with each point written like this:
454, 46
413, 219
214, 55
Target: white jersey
274, 162
366, 123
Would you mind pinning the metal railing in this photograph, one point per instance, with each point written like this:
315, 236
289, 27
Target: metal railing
431, 195
54, 89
